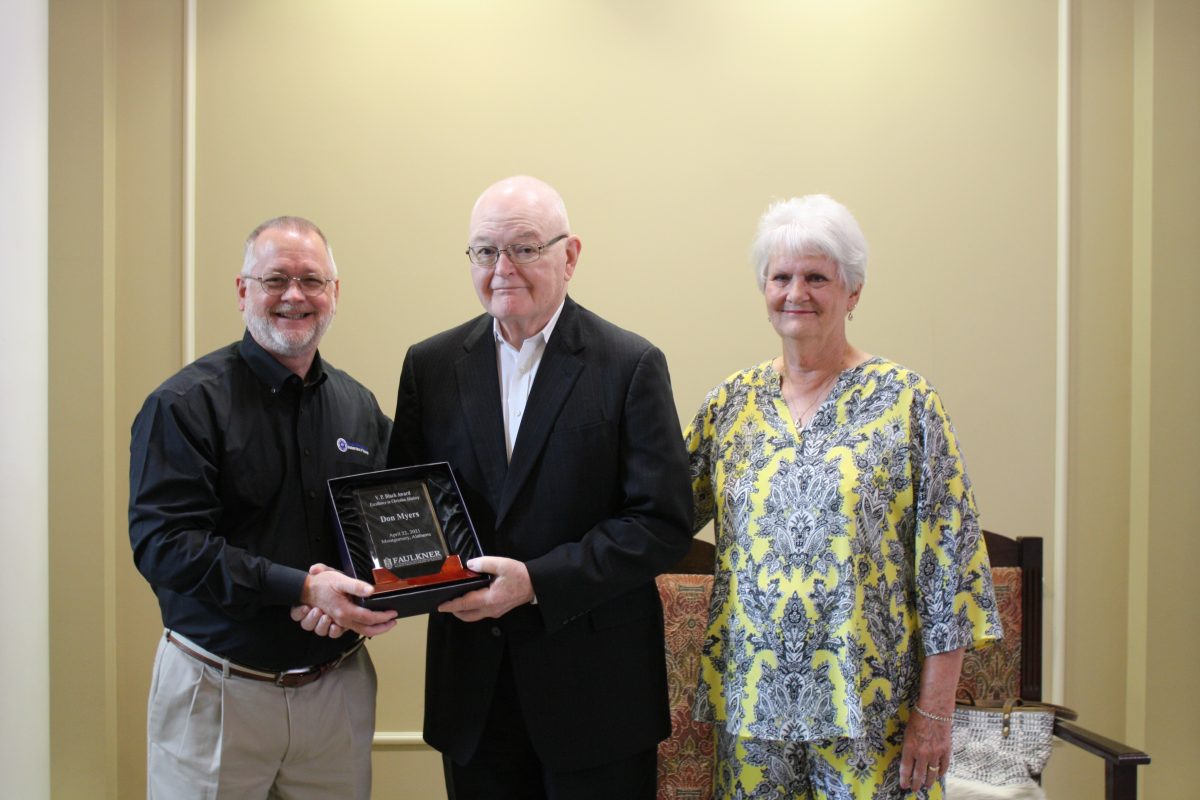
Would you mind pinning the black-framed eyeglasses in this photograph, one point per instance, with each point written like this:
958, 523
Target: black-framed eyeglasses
276, 284
485, 255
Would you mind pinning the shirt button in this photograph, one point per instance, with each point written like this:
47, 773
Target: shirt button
496, 631
307, 451
312, 493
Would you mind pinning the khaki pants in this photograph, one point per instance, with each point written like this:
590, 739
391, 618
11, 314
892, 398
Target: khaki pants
214, 737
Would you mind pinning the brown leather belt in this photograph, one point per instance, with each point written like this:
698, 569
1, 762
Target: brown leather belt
290, 679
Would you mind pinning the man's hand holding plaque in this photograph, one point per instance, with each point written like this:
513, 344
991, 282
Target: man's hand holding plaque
510, 588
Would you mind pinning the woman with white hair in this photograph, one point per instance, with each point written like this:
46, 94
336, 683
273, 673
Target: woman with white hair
851, 571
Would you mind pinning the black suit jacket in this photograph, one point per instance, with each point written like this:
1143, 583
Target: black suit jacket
596, 502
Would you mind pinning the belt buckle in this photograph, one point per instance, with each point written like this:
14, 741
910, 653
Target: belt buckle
293, 677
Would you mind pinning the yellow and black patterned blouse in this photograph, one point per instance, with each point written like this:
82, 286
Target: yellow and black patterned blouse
846, 552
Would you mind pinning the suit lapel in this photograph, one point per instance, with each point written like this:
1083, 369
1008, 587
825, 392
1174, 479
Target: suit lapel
556, 376
479, 399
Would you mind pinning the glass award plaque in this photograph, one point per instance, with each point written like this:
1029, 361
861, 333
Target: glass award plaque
407, 531
404, 536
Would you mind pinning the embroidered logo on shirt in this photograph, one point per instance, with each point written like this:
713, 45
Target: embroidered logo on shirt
343, 445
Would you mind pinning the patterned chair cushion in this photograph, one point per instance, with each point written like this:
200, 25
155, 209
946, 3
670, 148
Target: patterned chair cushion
685, 759
993, 673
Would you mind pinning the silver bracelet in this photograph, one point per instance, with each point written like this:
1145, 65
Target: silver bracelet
934, 717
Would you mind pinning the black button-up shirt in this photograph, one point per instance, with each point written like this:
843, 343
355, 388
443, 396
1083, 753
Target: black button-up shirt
228, 505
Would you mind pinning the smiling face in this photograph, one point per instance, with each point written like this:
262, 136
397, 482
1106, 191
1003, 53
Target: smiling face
807, 300
289, 326
522, 297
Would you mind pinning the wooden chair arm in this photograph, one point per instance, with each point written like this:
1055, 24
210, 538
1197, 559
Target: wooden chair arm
1120, 760
1108, 749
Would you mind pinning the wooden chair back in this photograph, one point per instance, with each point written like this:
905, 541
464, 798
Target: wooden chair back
1011, 667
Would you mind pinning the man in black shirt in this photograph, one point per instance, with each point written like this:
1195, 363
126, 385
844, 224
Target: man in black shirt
228, 522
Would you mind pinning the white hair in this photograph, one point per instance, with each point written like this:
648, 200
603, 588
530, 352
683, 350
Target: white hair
814, 224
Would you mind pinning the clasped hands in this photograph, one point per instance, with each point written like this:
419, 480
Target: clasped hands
326, 608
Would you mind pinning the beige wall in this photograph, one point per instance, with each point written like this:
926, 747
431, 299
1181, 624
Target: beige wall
85, 497
667, 126
1166, 508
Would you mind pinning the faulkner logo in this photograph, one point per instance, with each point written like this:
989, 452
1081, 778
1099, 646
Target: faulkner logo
343, 445
412, 558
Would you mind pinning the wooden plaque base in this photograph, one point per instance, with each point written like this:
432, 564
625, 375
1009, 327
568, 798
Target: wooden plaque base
452, 570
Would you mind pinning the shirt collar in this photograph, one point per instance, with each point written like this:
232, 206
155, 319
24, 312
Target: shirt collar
544, 333
270, 371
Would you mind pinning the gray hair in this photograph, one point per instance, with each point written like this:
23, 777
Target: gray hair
814, 224
287, 223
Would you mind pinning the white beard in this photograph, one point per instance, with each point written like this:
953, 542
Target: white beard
287, 344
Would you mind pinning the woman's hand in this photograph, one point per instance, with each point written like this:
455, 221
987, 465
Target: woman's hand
926, 752
925, 755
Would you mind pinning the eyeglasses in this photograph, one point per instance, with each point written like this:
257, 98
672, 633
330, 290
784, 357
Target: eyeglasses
485, 255
276, 284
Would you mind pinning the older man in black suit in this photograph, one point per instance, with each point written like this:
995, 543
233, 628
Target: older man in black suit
563, 433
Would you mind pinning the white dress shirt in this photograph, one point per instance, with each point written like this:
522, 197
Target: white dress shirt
518, 368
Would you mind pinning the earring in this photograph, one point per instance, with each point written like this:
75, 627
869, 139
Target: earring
850, 316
